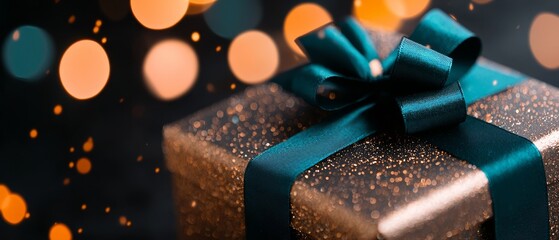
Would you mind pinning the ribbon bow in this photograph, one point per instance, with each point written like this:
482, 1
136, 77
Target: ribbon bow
416, 82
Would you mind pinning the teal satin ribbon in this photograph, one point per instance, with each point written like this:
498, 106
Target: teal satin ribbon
419, 90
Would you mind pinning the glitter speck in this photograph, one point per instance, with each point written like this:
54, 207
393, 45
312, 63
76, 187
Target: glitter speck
235, 119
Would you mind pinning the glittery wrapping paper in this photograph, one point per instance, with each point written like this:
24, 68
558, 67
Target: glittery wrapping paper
386, 186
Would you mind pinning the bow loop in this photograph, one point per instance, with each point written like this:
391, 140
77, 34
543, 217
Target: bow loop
419, 67
327, 46
437, 30
433, 109
420, 75
351, 29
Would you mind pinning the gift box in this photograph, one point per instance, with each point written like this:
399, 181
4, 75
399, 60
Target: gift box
386, 186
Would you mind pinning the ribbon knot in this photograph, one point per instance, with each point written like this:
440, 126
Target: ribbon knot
418, 81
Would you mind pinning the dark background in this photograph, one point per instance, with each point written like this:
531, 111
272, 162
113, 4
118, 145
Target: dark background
122, 131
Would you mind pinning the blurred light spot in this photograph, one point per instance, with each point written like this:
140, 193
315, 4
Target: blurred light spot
376, 67
302, 19
72, 149
228, 18
471, 7
15, 36
107, 209
210, 87
4, 192
72, 19
104, 40
88, 145
129, 223
84, 206
27, 215
83, 165
71, 164
199, 6
233, 86
57, 109
170, 69
33, 133
13, 209
482, 1
140, 158
80, 230
122, 220
98, 23
159, 14
253, 57
115, 9
218, 49
157, 170
60, 231
407, 8
544, 40
66, 181
84, 69
28, 53
195, 36
375, 14
96, 29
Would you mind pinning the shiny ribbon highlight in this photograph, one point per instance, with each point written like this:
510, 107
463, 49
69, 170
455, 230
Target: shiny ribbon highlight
416, 89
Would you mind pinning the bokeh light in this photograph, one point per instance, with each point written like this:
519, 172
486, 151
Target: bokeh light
60, 231
544, 39
13, 209
159, 14
407, 8
33, 133
253, 57
57, 110
115, 10
84, 69
88, 145
28, 52
302, 19
228, 18
199, 6
376, 14
83, 165
170, 69
4, 192
482, 1
195, 36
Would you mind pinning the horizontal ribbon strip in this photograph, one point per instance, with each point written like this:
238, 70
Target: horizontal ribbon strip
416, 89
